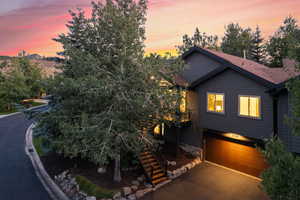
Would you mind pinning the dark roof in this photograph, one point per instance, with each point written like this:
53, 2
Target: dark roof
266, 75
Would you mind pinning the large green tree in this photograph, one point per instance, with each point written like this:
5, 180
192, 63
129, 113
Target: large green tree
18, 80
258, 50
108, 93
284, 42
281, 181
237, 40
199, 39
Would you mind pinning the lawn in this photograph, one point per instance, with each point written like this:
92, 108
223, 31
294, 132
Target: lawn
27, 105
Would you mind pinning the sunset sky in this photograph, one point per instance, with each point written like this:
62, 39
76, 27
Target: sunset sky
30, 25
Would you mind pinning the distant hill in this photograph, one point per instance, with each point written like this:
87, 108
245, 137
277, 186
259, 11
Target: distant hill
49, 68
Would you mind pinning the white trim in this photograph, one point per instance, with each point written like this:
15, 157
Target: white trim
15, 113
214, 112
233, 170
259, 107
50, 186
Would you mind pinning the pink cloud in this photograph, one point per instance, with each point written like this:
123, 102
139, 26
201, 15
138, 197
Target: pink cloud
31, 26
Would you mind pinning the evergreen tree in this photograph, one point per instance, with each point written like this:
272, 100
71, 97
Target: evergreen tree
237, 40
280, 45
199, 39
21, 80
108, 93
282, 179
258, 51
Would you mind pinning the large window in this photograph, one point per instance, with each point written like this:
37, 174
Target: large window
249, 106
215, 102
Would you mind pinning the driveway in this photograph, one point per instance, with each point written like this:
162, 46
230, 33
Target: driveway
17, 177
209, 182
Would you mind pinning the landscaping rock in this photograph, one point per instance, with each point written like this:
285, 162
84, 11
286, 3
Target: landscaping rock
101, 170
91, 198
147, 185
137, 183
139, 194
172, 163
126, 191
141, 179
117, 196
134, 188
131, 197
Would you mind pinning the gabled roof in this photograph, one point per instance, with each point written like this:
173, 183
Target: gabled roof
269, 77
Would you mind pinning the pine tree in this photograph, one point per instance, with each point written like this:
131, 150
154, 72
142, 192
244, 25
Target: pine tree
282, 42
236, 40
258, 52
108, 93
199, 39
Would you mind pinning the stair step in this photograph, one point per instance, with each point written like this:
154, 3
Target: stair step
146, 156
153, 164
149, 160
159, 180
148, 170
156, 176
145, 153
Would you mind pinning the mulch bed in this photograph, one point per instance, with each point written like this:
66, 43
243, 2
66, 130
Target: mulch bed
56, 164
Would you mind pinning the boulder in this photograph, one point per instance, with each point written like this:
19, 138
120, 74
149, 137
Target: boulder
117, 196
131, 197
137, 183
101, 170
134, 188
126, 191
90, 198
141, 178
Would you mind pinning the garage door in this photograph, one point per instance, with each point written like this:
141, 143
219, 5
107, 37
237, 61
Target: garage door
236, 156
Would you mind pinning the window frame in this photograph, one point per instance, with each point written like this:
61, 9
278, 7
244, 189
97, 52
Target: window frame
249, 116
215, 112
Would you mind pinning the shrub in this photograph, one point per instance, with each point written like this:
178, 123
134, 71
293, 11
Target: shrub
93, 190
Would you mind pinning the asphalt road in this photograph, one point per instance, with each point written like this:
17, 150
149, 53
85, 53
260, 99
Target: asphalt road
18, 180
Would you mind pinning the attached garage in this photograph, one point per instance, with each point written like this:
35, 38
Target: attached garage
240, 156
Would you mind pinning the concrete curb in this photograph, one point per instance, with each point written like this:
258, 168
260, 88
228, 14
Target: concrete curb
16, 113
54, 191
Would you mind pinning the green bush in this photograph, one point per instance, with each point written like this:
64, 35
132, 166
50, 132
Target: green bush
38, 142
93, 190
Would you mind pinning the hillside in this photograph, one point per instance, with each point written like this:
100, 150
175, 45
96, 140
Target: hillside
49, 68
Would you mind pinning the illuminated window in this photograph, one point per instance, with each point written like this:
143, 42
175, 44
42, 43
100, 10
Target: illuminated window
159, 129
182, 107
249, 106
215, 102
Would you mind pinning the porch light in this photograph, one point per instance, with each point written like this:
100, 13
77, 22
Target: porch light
236, 136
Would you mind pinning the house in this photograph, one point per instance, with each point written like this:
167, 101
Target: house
235, 104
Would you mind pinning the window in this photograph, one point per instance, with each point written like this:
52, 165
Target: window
215, 102
249, 106
182, 106
159, 130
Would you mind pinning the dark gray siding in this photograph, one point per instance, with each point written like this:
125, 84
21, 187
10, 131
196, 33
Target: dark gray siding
233, 84
284, 132
198, 65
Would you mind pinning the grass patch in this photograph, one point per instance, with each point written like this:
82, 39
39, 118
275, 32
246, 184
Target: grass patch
8, 112
33, 104
37, 142
27, 105
93, 190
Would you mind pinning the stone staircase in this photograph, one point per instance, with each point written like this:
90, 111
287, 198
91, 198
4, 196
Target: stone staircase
153, 170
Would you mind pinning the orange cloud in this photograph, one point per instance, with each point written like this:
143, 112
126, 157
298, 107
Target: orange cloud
32, 27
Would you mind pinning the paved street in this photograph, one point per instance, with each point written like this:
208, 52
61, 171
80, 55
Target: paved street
17, 177
208, 182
